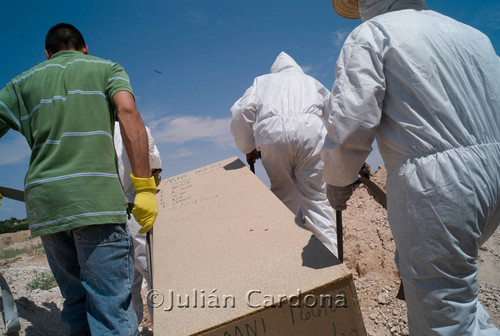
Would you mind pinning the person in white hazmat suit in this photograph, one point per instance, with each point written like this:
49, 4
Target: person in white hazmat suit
138, 239
427, 88
280, 115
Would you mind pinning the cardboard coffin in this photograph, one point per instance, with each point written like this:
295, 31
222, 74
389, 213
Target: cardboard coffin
230, 259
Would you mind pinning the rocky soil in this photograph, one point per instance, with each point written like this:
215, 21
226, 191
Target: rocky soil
368, 253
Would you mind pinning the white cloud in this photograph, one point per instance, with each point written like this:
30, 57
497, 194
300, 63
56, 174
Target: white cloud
196, 16
14, 149
181, 153
179, 130
323, 70
307, 68
338, 37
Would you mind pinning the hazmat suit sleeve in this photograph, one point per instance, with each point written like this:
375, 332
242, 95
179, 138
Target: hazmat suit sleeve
244, 115
154, 154
124, 168
326, 96
355, 109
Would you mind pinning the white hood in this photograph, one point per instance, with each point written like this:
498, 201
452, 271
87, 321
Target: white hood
284, 62
370, 8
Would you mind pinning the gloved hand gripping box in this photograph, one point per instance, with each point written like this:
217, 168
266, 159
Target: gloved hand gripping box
230, 259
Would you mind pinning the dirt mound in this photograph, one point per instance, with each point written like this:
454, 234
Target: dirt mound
368, 253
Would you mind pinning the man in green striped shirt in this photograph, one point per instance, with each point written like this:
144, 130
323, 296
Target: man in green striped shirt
66, 108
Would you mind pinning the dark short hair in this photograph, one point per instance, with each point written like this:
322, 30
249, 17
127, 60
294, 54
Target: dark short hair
64, 36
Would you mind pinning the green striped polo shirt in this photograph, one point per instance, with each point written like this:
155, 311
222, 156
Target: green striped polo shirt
64, 108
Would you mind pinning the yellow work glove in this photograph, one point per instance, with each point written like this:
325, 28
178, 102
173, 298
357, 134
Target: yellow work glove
145, 205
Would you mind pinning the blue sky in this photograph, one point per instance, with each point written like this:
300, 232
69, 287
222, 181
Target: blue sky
189, 61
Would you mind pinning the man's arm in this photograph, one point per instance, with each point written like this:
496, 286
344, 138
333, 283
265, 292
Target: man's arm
135, 140
133, 132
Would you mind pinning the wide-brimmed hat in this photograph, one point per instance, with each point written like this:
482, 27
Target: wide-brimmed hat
347, 8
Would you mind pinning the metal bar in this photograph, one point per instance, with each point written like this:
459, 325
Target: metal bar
149, 256
14, 194
340, 240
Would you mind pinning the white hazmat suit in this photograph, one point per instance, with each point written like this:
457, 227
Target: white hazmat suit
427, 88
139, 239
280, 115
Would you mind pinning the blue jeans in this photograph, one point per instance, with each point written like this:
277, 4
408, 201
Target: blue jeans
93, 266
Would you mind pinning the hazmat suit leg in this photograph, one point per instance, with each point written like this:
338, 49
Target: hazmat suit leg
294, 167
136, 295
279, 167
140, 267
311, 188
441, 208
